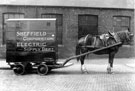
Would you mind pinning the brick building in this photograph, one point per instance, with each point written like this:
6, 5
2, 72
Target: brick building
75, 18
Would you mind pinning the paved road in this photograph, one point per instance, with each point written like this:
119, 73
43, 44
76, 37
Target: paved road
71, 78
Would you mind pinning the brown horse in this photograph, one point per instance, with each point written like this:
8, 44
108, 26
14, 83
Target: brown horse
90, 43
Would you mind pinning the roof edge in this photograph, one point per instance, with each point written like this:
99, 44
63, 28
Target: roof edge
68, 6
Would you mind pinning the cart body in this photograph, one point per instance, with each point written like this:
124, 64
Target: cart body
31, 40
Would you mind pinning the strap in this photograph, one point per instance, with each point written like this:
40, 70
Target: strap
111, 34
85, 40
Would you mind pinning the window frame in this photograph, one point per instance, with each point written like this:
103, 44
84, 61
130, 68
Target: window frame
129, 17
4, 21
128, 26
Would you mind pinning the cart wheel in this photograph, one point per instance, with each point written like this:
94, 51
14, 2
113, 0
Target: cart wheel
42, 69
19, 69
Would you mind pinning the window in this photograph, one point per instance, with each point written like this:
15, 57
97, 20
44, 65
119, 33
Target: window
59, 24
11, 15
121, 23
8, 16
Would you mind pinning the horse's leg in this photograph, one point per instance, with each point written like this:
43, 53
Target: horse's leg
83, 68
110, 64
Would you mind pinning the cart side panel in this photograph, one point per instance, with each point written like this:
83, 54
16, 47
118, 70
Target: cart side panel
31, 40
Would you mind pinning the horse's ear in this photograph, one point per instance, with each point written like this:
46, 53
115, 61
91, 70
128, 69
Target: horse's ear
110, 33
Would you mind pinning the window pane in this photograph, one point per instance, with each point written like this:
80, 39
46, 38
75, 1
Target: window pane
11, 16
17, 16
121, 21
6, 16
22, 16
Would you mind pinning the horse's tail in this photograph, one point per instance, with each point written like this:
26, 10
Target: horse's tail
78, 50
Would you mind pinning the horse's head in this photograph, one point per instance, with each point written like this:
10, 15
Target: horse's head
125, 36
129, 37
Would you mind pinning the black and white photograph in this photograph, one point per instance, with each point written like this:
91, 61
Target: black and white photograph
67, 45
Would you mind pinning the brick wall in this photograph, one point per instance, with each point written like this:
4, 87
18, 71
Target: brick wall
70, 23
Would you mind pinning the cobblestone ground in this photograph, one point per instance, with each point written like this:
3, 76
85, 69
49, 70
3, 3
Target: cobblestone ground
71, 78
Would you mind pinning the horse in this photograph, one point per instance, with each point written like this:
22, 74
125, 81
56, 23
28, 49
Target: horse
90, 43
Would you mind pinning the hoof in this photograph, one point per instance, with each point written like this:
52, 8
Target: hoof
84, 72
109, 70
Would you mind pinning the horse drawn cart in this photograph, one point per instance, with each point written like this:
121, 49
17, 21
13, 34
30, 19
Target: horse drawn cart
32, 43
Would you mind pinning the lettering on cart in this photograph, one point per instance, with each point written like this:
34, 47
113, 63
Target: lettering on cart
31, 44
35, 36
41, 49
31, 34
35, 41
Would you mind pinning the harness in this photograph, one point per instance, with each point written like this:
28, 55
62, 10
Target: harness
103, 38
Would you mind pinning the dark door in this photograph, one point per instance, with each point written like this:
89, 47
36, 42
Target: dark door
87, 24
